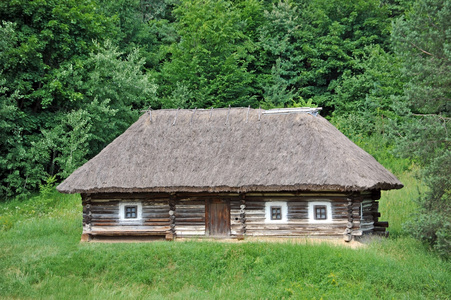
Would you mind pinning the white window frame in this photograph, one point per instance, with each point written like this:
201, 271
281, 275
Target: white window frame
311, 212
284, 211
139, 212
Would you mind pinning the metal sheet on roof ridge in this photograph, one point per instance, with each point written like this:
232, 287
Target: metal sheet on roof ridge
295, 110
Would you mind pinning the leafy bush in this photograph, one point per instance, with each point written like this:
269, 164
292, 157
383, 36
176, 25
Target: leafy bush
433, 225
433, 229
443, 245
424, 134
47, 203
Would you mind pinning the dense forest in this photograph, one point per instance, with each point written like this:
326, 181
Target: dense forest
74, 74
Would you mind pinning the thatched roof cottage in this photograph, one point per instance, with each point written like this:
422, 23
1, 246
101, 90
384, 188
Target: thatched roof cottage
231, 173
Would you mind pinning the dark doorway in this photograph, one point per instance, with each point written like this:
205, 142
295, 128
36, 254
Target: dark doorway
218, 217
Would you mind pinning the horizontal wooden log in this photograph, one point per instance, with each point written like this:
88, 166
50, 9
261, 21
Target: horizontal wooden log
146, 206
105, 202
167, 219
105, 220
189, 220
94, 223
295, 227
379, 228
105, 216
190, 232
190, 206
128, 233
156, 216
376, 214
293, 234
367, 220
106, 205
310, 194
149, 212
197, 213
339, 217
108, 212
292, 210
129, 227
190, 227
193, 213
155, 224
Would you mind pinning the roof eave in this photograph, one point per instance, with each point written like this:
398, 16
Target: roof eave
228, 189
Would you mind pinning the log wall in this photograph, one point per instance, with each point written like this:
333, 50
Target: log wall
184, 214
101, 215
298, 220
190, 218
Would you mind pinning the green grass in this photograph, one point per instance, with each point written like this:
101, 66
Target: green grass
397, 206
41, 257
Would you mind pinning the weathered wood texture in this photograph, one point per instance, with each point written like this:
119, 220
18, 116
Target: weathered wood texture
190, 215
298, 219
189, 218
105, 219
236, 218
218, 217
370, 215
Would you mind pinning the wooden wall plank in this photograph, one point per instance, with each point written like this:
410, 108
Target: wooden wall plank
190, 212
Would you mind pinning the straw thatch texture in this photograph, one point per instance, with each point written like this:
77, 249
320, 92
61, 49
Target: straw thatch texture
230, 151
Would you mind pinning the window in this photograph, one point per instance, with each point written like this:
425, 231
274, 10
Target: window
320, 212
131, 212
276, 212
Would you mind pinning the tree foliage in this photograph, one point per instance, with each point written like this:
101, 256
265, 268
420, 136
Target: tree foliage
57, 67
74, 74
63, 97
423, 39
210, 58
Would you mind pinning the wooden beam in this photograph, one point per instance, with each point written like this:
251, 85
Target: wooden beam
381, 224
127, 232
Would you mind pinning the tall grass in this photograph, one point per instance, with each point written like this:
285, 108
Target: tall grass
45, 204
398, 206
41, 257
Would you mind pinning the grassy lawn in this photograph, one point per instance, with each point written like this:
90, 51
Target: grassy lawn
397, 206
41, 257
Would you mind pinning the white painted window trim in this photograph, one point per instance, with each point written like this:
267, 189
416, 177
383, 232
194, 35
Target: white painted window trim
139, 212
284, 211
311, 212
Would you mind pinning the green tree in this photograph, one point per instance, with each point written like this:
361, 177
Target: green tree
209, 61
62, 97
144, 24
280, 44
423, 40
367, 96
337, 35
305, 47
112, 89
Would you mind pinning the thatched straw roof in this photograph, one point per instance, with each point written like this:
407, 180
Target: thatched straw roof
230, 150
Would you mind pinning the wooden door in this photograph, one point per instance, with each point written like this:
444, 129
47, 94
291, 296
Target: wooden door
218, 217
